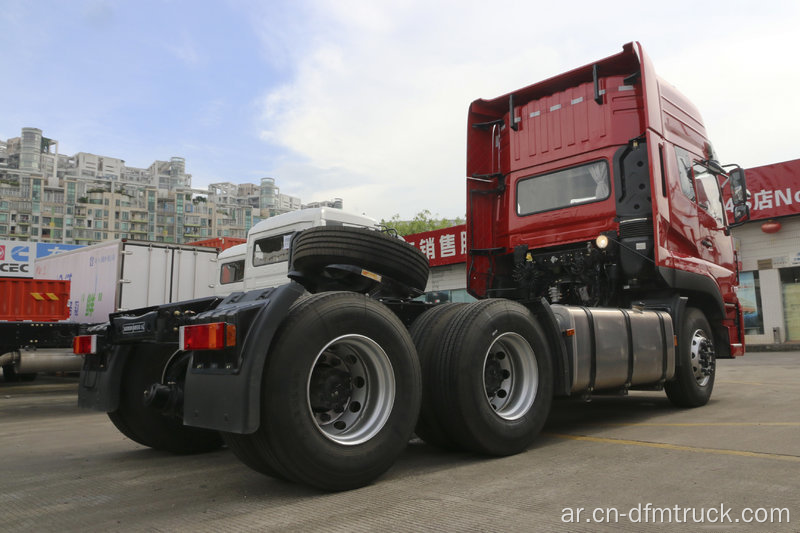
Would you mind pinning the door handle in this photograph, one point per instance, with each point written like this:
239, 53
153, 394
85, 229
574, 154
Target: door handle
707, 243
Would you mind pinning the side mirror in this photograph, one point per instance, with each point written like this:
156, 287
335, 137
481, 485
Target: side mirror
738, 186
741, 211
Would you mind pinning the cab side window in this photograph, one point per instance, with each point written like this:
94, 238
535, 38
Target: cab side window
685, 172
232, 272
708, 195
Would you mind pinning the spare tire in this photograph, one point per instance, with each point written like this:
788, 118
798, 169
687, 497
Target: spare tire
322, 246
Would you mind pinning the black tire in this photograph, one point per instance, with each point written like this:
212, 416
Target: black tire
495, 378
120, 422
426, 332
339, 352
248, 451
694, 375
148, 426
316, 248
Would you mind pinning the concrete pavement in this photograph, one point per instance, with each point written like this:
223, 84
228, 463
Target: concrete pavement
65, 469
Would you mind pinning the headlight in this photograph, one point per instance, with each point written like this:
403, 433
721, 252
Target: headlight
601, 241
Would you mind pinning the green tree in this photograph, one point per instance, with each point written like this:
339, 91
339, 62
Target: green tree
422, 221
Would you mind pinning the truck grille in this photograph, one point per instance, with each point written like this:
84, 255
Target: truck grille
635, 227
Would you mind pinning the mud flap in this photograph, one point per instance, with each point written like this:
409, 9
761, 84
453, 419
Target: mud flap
100, 380
231, 402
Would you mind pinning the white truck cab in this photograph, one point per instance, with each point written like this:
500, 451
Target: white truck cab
262, 261
230, 270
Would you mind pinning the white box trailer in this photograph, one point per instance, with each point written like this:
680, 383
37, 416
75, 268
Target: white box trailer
118, 275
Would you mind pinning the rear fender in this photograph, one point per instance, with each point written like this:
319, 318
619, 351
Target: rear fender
231, 402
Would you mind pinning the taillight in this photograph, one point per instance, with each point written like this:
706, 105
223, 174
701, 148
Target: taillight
214, 336
84, 344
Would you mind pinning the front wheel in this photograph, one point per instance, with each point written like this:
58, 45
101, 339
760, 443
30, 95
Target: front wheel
694, 376
341, 393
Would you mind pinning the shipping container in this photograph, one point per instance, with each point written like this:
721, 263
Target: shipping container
221, 243
28, 299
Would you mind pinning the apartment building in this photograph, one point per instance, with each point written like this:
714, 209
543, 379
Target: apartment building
87, 198
272, 202
336, 203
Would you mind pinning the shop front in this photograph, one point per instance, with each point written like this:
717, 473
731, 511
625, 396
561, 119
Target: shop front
446, 250
769, 256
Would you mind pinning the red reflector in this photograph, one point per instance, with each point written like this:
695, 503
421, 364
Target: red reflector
84, 344
230, 335
213, 336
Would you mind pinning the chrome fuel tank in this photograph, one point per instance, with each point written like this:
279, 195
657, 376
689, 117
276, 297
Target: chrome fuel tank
614, 348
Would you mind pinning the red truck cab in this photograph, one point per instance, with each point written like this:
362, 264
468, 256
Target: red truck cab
599, 187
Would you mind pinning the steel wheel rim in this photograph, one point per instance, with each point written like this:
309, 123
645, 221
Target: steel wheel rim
351, 389
702, 357
510, 376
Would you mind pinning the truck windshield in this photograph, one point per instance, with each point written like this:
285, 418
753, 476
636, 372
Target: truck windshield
271, 250
563, 188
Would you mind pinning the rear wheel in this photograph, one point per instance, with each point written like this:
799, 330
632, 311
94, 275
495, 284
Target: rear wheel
492, 382
427, 331
694, 376
341, 393
247, 450
146, 425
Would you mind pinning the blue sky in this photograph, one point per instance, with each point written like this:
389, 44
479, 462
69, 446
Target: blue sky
367, 100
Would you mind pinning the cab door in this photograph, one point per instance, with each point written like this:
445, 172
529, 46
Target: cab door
714, 245
680, 243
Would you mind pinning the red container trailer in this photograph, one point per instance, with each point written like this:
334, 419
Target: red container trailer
32, 337
34, 299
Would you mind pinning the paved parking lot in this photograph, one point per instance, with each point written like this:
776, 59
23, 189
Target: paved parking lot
65, 469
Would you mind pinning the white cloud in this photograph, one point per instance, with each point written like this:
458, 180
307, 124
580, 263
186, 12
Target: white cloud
745, 89
375, 109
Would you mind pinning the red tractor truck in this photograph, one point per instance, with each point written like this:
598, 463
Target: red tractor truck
599, 250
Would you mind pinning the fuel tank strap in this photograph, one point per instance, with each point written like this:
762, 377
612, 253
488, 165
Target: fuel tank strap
664, 349
629, 330
592, 349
